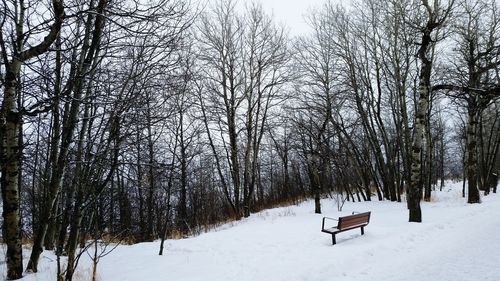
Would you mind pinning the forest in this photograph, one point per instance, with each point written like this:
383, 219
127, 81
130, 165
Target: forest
132, 121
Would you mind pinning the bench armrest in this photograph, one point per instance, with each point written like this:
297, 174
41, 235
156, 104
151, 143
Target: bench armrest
326, 218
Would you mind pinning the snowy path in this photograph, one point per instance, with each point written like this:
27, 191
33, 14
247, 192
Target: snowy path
449, 248
455, 242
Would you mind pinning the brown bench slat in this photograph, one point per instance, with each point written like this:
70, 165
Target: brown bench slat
347, 223
351, 226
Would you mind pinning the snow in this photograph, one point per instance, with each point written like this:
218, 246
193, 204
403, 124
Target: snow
456, 241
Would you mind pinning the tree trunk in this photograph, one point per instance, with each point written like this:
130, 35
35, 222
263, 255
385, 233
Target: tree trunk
151, 177
415, 189
182, 209
315, 184
11, 161
78, 183
473, 191
434, 21
234, 163
429, 160
164, 230
52, 229
10, 124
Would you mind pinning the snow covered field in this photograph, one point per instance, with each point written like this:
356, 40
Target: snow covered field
455, 242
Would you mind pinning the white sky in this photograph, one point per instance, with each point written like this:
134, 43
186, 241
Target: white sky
288, 12
291, 13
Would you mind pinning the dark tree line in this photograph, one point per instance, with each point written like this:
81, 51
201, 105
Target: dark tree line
132, 121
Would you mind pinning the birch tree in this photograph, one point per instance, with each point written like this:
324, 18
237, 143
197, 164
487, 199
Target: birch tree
17, 24
434, 17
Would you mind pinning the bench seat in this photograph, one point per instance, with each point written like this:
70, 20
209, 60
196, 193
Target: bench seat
346, 223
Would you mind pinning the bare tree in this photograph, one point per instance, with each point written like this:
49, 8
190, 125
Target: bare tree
76, 86
244, 68
265, 73
319, 99
14, 55
434, 17
473, 73
221, 38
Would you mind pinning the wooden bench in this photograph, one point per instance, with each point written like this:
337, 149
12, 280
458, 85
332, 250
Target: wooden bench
347, 223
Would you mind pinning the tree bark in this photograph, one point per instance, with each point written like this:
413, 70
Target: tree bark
11, 159
434, 21
429, 159
416, 185
473, 191
10, 123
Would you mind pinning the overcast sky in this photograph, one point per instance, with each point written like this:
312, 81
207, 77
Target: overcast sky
291, 12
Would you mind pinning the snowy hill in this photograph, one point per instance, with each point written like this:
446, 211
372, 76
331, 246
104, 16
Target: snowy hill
455, 242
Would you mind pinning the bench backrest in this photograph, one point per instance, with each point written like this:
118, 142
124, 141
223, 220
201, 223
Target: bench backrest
354, 220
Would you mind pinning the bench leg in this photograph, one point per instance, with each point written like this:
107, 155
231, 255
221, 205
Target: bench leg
362, 230
333, 239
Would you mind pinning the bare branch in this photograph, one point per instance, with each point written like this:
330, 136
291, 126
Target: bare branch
43, 46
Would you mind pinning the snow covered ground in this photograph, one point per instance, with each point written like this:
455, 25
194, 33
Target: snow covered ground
456, 241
